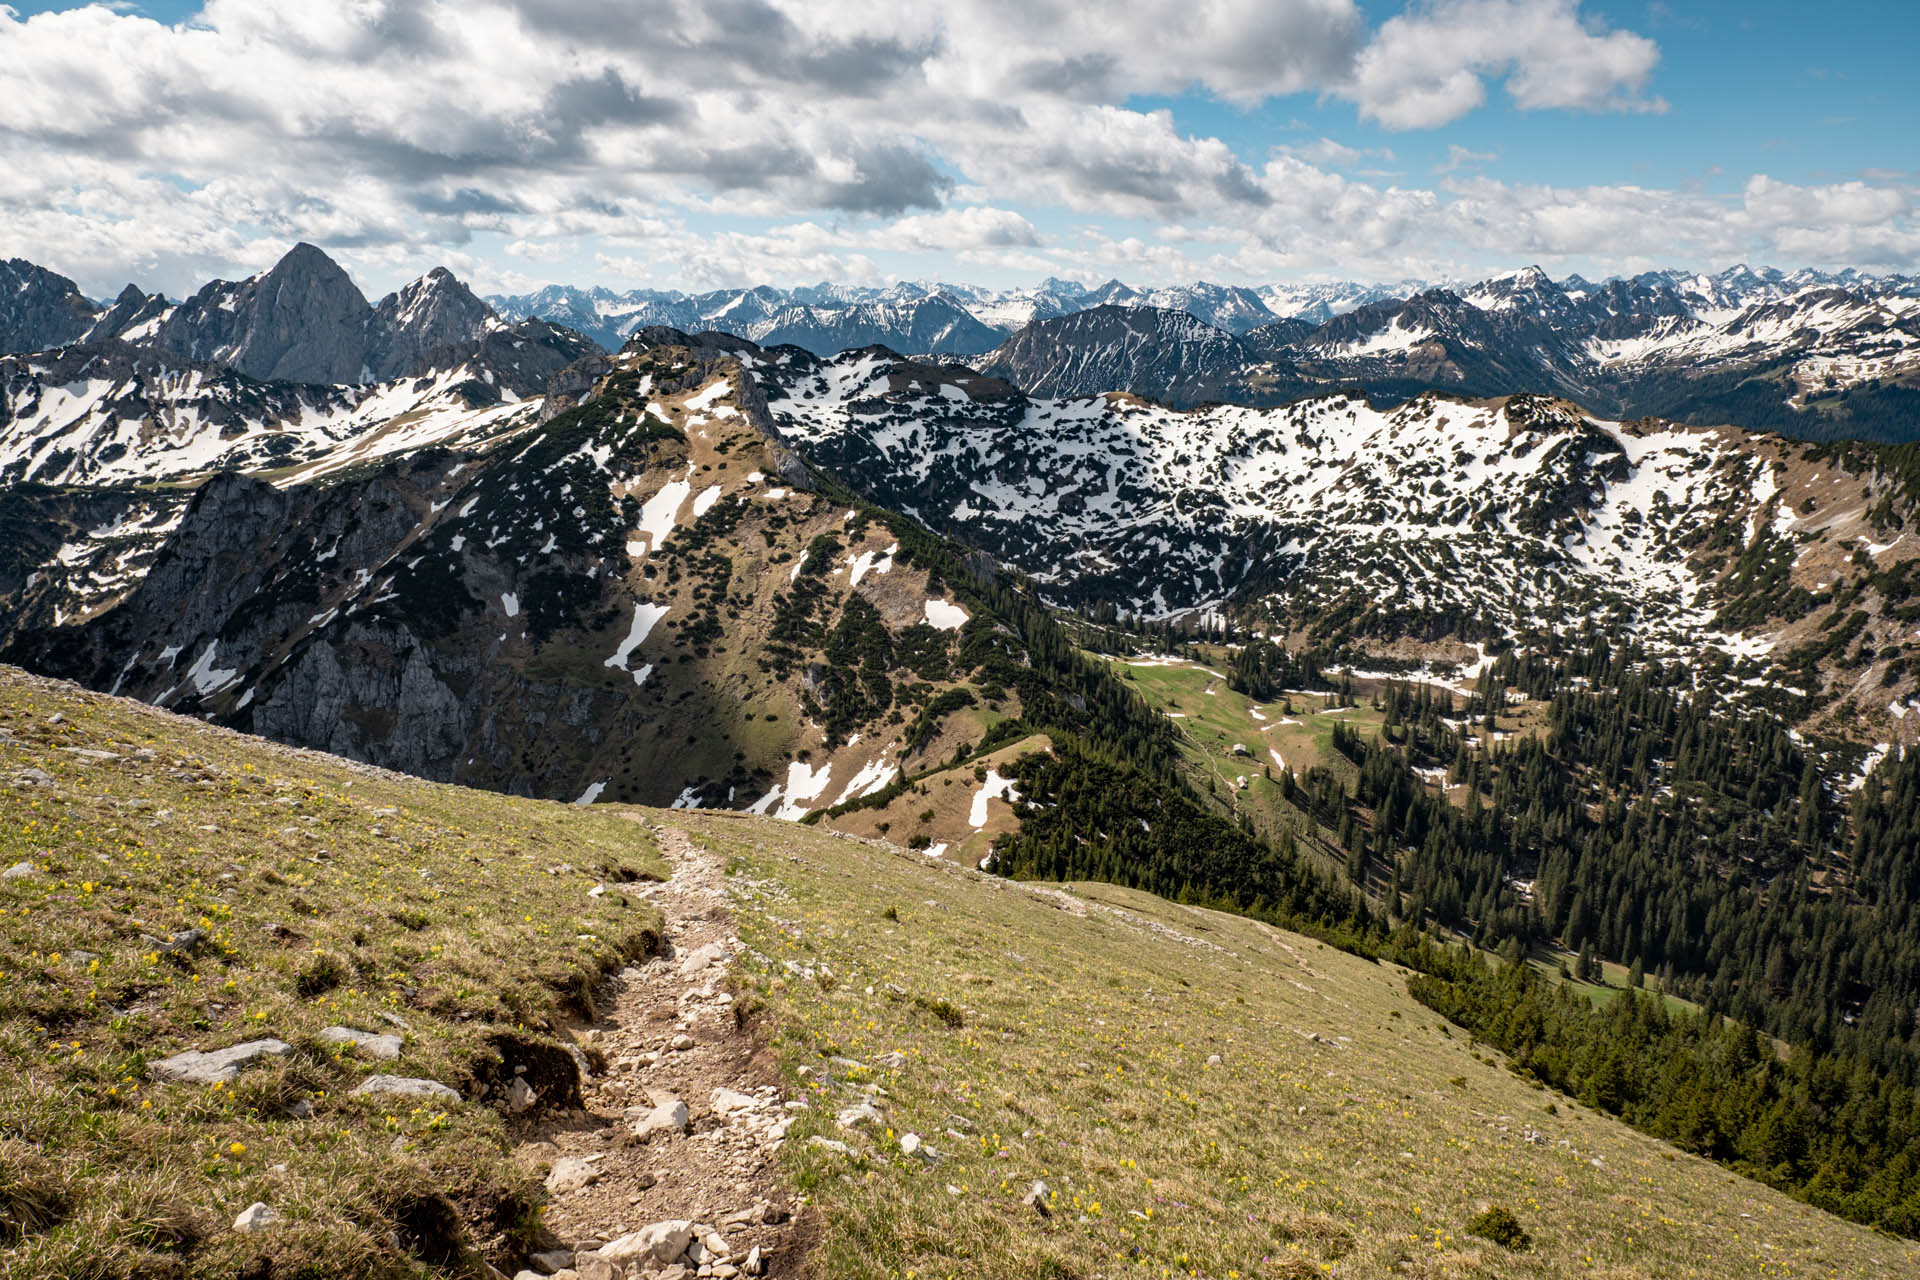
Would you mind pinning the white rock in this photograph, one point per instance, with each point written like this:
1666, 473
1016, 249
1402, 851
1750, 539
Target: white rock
753, 1266
699, 959
219, 1067
728, 1101
18, 871
667, 1118
838, 1148
408, 1086
856, 1117
661, 1242
552, 1261
682, 1043
384, 1047
909, 1144
521, 1095
570, 1173
257, 1217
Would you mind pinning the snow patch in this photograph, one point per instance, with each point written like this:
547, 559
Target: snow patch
645, 615
995, 787
942, 615
871, 562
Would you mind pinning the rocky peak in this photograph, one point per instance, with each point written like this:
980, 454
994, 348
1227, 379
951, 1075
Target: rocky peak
39, 309
302, 321
435, 311
130, 311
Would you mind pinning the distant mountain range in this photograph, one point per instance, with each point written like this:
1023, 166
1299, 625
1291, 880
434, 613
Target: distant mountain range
1816, 354
925, 319
1813, 354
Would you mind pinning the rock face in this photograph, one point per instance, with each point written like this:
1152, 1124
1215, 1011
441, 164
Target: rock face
434, 311
303, 321
39, 309
134, 314
1166, 355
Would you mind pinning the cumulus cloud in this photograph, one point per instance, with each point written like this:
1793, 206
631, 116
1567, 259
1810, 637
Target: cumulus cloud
731, 141
1430, 65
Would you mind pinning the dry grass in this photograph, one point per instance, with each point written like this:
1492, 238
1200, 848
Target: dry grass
1343, 1130
321, 895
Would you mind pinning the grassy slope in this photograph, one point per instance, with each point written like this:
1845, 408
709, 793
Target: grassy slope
1344, 1130
463, 913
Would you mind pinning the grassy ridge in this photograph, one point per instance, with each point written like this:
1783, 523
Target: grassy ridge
1343, 1130
304, 893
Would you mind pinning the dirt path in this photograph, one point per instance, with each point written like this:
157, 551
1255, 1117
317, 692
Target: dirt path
638, 1165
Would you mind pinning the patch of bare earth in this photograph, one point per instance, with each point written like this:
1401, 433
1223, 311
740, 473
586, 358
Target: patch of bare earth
671, 1170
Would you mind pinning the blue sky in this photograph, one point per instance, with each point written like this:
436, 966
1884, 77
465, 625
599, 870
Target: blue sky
675, 143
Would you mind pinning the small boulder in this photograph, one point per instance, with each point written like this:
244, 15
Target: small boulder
521, 1095
661, 1242
571, 1173
219, 1067
409, 1087
857, 1117
828, 1144
910, 1144
257, 1217
753, 1266
552, 1261
728, 1101
668, 1118
179, 943
384, 1047
682, 1042
893, 1061
18, 871
699, 959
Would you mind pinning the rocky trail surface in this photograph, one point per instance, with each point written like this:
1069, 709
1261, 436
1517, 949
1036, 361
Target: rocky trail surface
669, 1172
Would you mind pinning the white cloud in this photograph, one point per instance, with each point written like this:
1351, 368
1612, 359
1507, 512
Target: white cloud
1459, 157
692, 142
1429, 66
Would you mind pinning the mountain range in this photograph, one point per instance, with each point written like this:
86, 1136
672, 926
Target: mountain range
1814, 354
1405, 665
1819, 355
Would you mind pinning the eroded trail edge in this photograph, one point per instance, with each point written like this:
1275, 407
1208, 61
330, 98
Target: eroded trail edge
671, 1170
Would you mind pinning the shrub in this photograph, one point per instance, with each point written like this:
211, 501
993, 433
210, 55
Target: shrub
942, 1009
321, 974
1497, 1223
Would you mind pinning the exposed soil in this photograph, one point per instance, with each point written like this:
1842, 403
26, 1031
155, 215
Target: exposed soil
721, 1173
